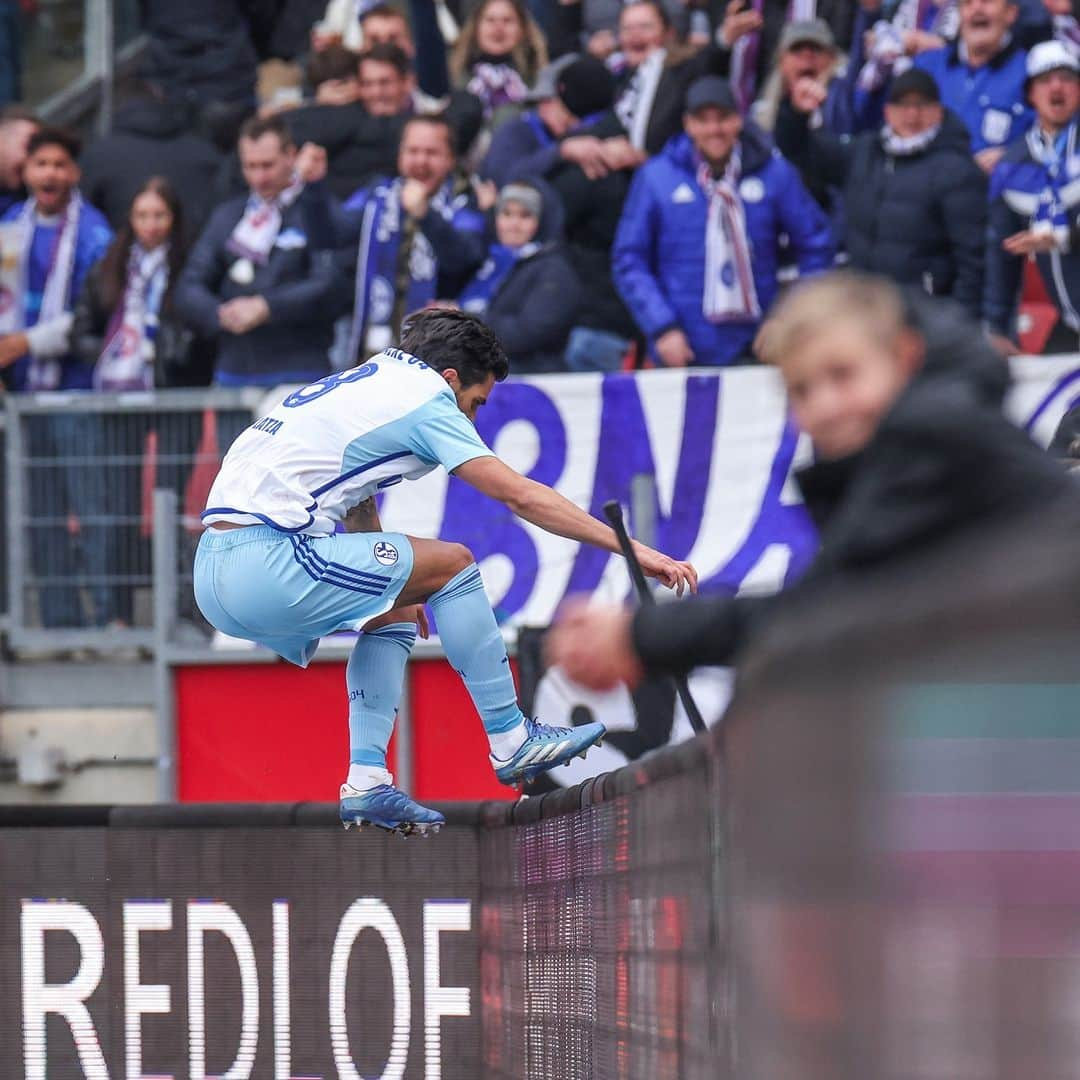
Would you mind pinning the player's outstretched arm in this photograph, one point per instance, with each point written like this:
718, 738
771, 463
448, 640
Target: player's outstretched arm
553, 513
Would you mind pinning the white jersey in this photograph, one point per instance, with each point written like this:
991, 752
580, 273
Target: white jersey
332, 444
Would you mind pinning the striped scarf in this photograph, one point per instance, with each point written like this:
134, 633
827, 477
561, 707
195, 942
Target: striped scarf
126, 361
1062, 191
256, 232
729, 294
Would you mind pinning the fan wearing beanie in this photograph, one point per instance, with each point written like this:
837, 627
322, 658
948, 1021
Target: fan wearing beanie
566, 101
526, 291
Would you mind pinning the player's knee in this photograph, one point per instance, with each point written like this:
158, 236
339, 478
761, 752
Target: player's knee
458, 557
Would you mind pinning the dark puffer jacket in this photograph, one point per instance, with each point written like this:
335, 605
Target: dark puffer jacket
535, 306
919, 219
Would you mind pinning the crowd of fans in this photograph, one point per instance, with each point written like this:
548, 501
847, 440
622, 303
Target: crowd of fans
601, 182
604, 183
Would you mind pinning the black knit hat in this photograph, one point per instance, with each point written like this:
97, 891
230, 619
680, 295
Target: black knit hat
914, 81
586, 87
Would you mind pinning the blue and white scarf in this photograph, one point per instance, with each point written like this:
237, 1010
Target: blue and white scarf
376, 269
256, 232
477, 295
127, 360
1062, 190
887, 56
17, 242
729, 292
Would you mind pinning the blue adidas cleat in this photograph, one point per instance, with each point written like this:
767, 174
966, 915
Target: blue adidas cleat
388, 808
545, 748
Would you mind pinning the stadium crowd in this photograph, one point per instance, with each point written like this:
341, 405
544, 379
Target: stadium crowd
603, 183
606, 184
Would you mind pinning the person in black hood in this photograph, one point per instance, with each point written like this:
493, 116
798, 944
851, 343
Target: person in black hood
915, 201
527, 291
903, 408
150, 136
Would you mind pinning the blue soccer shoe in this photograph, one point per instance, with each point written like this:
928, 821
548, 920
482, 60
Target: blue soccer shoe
388, 808
545, 748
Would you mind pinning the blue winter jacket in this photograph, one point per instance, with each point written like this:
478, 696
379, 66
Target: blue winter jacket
659, 251
990, 99
1015, 188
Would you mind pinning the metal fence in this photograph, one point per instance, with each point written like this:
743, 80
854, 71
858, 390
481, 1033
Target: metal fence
80, 472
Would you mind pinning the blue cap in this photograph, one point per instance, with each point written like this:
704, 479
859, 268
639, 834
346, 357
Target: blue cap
711, 90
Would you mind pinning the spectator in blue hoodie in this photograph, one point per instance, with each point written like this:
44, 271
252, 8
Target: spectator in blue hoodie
697, 249
1035, 203
981, 77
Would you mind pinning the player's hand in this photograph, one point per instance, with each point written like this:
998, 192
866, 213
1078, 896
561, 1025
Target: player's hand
673, 348
679, 576
738, 22
418, 614
593, 644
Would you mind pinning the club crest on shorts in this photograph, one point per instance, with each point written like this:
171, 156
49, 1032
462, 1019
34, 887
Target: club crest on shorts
386, 553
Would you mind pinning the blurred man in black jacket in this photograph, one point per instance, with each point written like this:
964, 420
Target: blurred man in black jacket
904, 411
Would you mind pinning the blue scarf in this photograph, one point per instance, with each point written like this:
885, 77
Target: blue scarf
478, 294
1062, 190
376, 270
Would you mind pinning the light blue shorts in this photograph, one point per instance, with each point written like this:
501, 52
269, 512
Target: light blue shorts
286, 592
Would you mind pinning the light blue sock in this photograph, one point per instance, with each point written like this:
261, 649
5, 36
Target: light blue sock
473, 644
374, 676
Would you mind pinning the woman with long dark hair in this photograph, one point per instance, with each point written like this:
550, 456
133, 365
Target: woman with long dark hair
125, 329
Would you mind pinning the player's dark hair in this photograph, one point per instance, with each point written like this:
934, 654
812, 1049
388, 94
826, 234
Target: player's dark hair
68, 141
445, 338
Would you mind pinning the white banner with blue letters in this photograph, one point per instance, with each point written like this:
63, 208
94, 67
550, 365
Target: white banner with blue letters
720, 446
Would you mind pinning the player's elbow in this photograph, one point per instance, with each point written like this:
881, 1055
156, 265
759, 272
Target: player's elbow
523, 499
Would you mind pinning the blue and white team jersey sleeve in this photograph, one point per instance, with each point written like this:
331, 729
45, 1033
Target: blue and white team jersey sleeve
443, 435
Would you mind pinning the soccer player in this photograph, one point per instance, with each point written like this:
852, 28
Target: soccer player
271, 569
